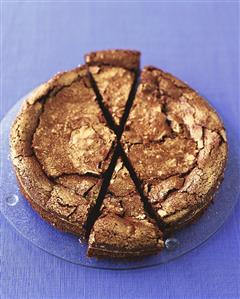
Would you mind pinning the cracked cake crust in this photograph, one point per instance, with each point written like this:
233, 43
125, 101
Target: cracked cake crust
114, 84
121, 58
181, 168
62, 143
50, 191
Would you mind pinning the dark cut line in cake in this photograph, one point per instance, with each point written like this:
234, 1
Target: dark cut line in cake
129, 104
146, 203
118, 130
94, 213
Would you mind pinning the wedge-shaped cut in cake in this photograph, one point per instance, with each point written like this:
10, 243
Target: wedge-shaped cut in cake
114, 73
124, 228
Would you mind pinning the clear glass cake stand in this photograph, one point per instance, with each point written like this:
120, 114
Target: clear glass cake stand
20, 215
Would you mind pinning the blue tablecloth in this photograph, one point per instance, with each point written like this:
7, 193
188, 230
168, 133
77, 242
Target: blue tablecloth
198, 41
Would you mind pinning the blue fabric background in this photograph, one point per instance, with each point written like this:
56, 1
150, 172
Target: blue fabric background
197, 41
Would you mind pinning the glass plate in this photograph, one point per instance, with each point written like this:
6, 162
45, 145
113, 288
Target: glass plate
22, 217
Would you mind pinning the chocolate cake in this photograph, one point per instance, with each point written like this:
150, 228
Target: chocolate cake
68, 143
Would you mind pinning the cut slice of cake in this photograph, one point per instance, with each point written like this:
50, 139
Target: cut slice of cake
180, 159
114, 73
147, 121
124, 229
60, 147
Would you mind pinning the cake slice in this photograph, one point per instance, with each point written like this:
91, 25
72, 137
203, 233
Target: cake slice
147, 121
177, 147
60, 147
123, 229
114, 73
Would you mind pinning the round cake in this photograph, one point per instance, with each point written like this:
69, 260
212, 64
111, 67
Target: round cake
118, 156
